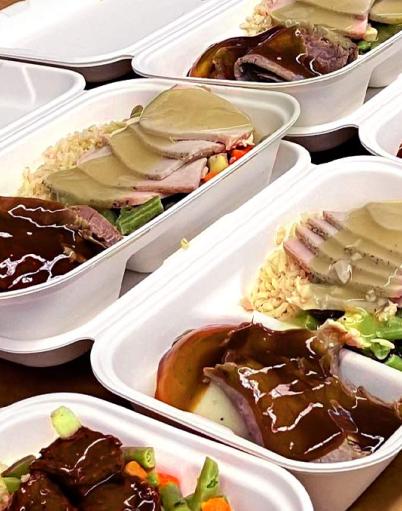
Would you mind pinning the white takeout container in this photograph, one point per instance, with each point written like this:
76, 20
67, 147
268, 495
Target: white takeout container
98, 38
29, 91
204, 285
292, 161
381, 132
40, 311
244, 479
323, 99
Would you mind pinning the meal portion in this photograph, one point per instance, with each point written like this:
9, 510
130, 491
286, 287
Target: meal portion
292, 40
89, 471
42, 239
132, 171
285, 386
342, 270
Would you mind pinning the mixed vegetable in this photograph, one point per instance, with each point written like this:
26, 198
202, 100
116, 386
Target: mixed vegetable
84, 469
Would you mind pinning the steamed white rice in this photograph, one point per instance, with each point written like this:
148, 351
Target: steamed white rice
259, 21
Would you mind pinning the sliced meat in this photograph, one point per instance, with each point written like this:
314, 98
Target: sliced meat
81, 461
123, 495
185, 180
185, 150
74, 187
136, 156
39, 241
358, 8
295, 53
97, 225
39, 493
301, 12
342, 272
206, 117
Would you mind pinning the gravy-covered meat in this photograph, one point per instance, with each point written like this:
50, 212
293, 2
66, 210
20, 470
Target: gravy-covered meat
80, 462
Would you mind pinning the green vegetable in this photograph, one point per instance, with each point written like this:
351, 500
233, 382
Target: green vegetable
136, 111
395, 362
172, 499
65, 422
4, 495
19, 468
364, 46
12, 484
131, 219
385, 32
109, 215
153, 478
207, 485
307, 321
145, 456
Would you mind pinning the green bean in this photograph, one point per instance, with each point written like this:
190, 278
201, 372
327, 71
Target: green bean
131, 219
109, 215
12, 484
153, 478
145, 456
19, 468
172, 499
207, 485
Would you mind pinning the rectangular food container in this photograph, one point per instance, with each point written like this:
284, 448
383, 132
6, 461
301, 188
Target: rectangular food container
381, 132
292, 161
40, 311
205, 284
323, 99
29, 91
244, 479
98, 38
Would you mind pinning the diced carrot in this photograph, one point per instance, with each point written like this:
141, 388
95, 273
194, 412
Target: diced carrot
210, 176
236, 154
216, 504
134, 469
164, 479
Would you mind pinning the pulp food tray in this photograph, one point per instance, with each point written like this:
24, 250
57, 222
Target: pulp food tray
205, 284
292, 161
29, 91
381, 132
97, 38
323, 99
39, 311
177, 452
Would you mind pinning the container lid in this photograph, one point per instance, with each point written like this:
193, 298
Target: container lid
86, 32
29, 91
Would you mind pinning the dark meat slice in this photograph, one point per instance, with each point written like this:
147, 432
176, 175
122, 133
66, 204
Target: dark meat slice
295, 53
39, 493
292, 399
40, 240
96, 226
122, 495
80, 462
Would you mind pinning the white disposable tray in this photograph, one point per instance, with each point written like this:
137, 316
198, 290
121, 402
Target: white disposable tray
96, 37
323, 99
205, 284
28, 91
244, 479
381, 132
41, 352
365, 118
40, 311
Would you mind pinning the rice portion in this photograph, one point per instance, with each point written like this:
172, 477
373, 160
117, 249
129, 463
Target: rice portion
259, 21
282, 286
62, 156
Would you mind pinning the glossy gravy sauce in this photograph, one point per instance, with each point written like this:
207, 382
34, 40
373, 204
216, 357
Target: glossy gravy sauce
284, 388
36, 244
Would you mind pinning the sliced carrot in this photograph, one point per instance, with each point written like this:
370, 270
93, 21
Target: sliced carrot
236, 154
164, 479
134, 469
210, 176
216, 504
